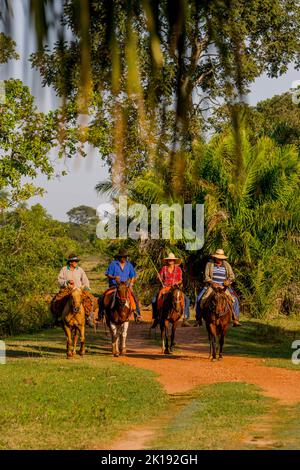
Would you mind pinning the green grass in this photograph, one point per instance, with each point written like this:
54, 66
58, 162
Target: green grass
216, 417
269, 340
48, 402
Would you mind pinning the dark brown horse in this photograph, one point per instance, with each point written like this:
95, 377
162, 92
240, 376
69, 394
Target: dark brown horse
171, 311
117, 309
217, 313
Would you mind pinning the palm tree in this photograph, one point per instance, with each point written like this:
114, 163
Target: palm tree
251, 197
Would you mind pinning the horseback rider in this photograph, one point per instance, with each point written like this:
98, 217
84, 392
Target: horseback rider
218, 272
120, 270
72, 275
170, 275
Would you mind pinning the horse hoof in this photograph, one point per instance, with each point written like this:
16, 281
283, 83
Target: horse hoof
81, 353
166, 351
69, 356
220, 358
213, 359
116, 355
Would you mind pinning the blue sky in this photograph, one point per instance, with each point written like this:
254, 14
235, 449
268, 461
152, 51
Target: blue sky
78, 186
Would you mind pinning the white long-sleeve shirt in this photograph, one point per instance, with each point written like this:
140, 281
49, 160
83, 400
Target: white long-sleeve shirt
77, 275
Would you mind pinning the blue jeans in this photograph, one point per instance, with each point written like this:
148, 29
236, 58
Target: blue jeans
186, 312
137, 312
236, 304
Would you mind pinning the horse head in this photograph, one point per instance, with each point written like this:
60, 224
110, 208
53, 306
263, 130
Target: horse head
122, 294
220, 301
76, 299
177, 298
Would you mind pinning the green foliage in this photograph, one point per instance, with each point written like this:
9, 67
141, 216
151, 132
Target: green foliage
33, 248
7, 49
277, 117
251, 196
26, 137
152, 68
82, 215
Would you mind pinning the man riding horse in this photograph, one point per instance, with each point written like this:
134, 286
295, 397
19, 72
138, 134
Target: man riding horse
71, 276
120, 270
218, 273
170, 275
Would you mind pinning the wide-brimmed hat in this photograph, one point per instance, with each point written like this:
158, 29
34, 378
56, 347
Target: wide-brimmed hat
219, 254
72, 257
121, 254
172, 257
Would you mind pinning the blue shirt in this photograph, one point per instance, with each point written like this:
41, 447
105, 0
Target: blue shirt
114, 269
219, 274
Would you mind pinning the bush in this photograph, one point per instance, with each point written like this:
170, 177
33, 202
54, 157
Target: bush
33, 248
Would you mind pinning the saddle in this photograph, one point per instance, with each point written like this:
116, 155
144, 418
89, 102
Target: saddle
109, 300
162, 295
60, 299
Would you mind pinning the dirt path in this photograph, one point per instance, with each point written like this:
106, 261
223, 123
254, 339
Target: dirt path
190, 367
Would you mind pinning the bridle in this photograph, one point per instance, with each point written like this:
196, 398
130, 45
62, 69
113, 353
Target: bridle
75, 309
212, 306
123, 299
176, 300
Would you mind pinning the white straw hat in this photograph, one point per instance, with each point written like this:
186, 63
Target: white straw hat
219, 253
172, 257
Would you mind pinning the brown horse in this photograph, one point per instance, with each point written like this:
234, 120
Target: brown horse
117, 309
217, 313
73, 322
171, 311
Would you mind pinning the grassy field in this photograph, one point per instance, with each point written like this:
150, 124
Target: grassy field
49, 402
269, 340
231, 416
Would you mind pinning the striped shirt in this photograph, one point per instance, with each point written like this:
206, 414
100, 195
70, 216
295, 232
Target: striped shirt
219, 274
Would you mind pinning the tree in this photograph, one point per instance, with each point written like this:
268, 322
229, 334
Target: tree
7, 49
26, 137
167, 60
82, 215
33, 248
277, 117
251, 200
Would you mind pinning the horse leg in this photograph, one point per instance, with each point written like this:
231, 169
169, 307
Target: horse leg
124, 330
167, 350
76, 335
114, 339
174, 326
221, 344
82, 340
163, 334
210, 344
68, 333
214, 346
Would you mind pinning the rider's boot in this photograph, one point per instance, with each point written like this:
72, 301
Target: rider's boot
90, 320
185, 322
235, 319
